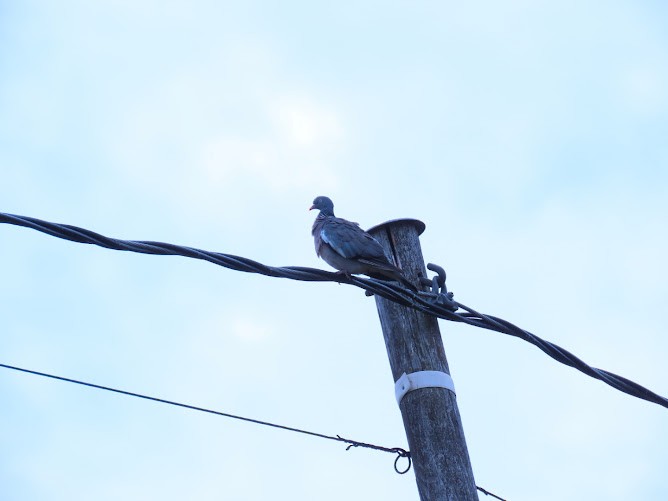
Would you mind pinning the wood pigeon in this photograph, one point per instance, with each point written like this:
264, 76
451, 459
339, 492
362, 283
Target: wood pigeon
348, 248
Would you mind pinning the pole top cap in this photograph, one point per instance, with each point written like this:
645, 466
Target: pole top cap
419, 225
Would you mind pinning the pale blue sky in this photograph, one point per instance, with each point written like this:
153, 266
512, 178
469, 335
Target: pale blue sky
530, 137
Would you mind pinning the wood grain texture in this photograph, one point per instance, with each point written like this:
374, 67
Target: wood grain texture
431, 417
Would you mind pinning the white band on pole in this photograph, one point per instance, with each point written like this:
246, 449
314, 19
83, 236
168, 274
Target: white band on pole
422, 379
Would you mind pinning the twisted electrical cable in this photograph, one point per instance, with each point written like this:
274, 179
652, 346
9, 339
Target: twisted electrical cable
426, 302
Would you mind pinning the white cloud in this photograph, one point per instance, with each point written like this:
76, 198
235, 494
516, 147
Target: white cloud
643, 89
308, 124
250, 329
185, 138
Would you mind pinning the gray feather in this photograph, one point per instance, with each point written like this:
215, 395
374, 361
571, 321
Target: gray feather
346, 247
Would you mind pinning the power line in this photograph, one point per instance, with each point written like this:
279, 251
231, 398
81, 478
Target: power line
401, 453
438, 302
487, 493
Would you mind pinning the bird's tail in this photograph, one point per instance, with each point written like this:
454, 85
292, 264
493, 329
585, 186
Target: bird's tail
385, 271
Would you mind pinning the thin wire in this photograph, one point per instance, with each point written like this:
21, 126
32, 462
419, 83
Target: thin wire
487, 493
426, 302
401, 453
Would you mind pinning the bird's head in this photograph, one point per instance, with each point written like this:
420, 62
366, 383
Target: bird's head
323, 204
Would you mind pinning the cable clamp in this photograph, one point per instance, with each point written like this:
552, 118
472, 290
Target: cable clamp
422, 379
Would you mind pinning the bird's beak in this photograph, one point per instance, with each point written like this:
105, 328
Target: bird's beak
312, 207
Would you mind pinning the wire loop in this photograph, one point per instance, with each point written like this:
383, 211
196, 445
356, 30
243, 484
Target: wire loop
402, 454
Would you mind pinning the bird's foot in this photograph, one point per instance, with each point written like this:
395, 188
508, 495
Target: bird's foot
345, 274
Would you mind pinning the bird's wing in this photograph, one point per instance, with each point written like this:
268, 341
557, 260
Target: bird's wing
351, 241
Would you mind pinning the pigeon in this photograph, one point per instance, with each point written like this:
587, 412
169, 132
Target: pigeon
345, 246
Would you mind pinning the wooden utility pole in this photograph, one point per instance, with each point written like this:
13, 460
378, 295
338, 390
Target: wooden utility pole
413, 341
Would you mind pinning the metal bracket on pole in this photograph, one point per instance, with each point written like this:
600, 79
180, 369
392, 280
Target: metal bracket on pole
422, 379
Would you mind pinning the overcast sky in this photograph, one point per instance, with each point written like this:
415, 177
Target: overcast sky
530, 137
